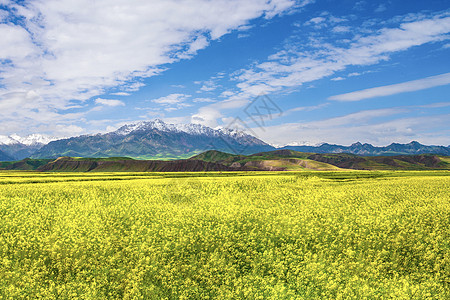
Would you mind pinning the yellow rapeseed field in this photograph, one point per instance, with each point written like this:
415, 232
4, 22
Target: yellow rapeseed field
292, 235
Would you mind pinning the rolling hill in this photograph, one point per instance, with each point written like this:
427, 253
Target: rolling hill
213, 160
287, 160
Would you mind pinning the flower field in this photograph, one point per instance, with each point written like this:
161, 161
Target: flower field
257, 235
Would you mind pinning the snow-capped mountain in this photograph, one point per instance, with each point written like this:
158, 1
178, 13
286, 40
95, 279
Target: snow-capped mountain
29, 140
17, 147
193, 129
155, 139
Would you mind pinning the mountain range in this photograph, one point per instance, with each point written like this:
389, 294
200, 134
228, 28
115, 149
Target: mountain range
158, 140
370, 150
154, 140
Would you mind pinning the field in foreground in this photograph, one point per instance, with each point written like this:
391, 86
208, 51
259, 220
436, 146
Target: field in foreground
291, 235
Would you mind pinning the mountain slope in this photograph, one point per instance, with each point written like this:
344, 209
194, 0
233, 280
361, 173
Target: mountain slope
154, 140
19, 151
5, 157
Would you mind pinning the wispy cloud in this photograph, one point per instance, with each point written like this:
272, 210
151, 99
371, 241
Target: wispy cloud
211, 84
121, 94
173, 102
306, 108
410, 86
171, 99
203, 100
382, 7
341, 29
109, 102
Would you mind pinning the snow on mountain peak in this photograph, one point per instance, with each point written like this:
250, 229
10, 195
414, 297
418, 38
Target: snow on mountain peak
191, 128
29, 140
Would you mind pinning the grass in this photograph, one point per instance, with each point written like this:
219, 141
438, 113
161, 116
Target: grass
225, 235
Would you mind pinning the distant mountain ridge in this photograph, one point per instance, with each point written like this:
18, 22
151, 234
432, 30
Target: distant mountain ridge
412, 148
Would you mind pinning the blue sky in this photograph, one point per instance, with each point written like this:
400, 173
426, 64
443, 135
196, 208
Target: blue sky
340, 71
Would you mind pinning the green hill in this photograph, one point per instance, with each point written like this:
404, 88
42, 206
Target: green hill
287, 160
278, 160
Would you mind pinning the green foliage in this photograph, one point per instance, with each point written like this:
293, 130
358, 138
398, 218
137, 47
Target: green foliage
231, 235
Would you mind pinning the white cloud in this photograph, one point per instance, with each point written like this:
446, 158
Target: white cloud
243, 35
121, 94
227, 94
67, 131
3, 15
206, 116
74, 50
109, 102
198, 44
203, 100
209, 86
316, 20
173, 102
354, 74
16, 43
306, 108
171, 99
340, 29
361, 117
410, 86
325, 20
132, 86
360, 5
435, 105
176, 120
381, 8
